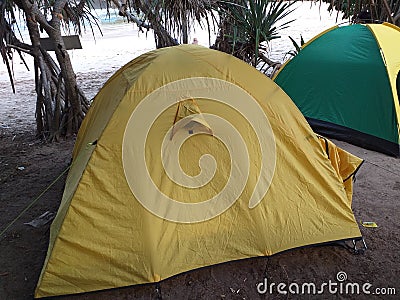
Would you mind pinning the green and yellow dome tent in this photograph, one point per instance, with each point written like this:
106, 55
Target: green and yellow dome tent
346, 83
189, 157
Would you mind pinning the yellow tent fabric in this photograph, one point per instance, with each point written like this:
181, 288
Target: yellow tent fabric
115, 227
387, 36
344, 163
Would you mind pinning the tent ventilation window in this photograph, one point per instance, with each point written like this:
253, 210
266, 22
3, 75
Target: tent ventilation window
192, 119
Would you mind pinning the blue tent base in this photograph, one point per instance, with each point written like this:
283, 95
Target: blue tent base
354, 137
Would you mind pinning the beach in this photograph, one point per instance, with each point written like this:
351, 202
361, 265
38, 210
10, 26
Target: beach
34, 173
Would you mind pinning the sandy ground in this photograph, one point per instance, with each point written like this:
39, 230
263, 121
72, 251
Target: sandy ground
23, 248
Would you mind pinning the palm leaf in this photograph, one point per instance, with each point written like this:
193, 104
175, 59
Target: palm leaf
255, 22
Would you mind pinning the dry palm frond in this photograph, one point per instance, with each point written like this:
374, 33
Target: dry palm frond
8, 40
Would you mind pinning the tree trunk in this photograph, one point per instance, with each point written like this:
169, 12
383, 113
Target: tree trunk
60, 105
73, 96
161, 35
75, 113
44, 109
185, 29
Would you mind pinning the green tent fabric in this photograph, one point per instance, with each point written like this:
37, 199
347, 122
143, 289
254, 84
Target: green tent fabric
341, 83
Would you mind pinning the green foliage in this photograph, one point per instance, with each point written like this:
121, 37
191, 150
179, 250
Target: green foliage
255, 22
178, 17
377, 10
297, 47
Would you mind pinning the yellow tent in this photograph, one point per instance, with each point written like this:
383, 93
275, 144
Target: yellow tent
189, 157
